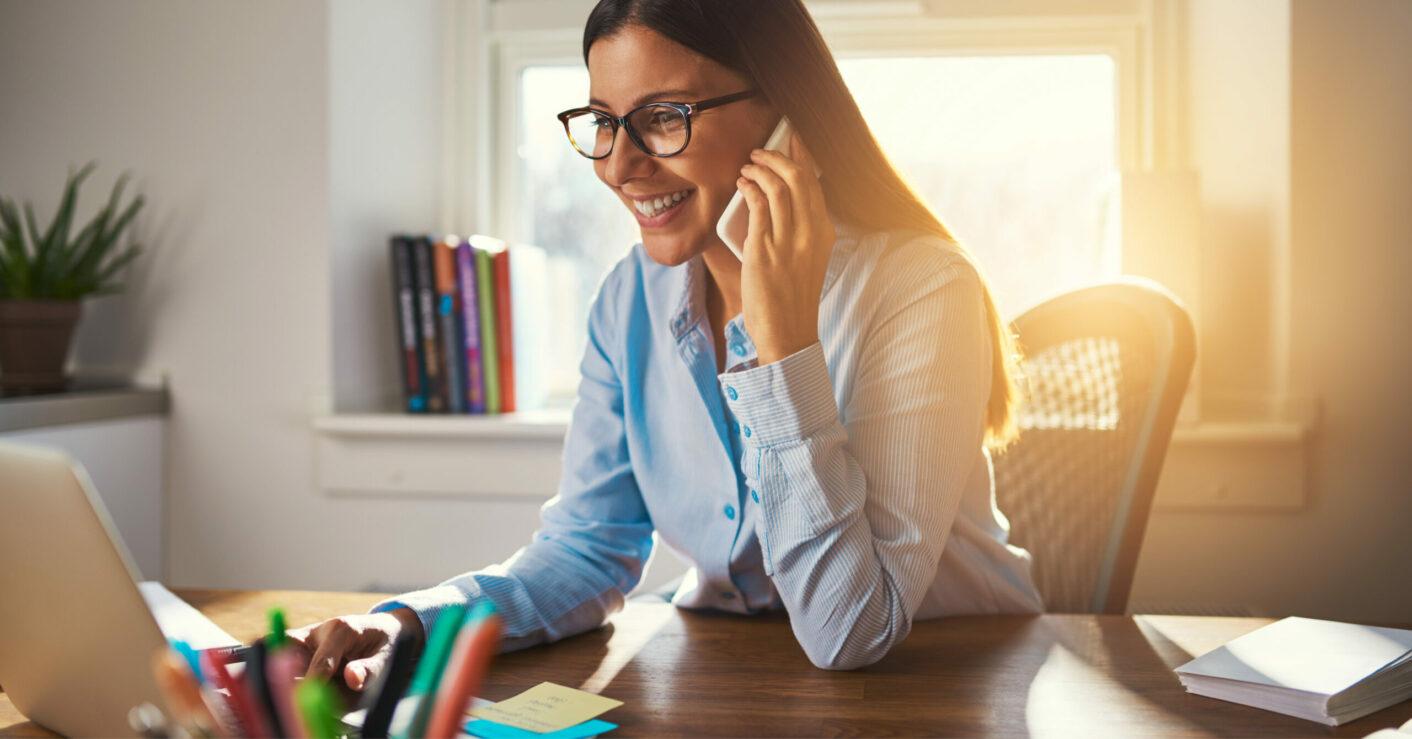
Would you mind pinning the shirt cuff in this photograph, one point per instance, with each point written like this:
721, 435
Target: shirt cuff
427, 604
782, 401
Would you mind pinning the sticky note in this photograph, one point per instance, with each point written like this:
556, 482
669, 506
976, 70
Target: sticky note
491, 730
547, 707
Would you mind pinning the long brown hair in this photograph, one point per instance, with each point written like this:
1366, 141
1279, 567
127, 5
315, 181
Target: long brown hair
775, 44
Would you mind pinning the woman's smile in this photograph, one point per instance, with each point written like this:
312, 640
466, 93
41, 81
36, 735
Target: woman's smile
655, 211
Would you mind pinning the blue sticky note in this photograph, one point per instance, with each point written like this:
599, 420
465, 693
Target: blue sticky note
192, 659
492, 730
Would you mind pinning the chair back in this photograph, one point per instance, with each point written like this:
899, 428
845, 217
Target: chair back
1105, 370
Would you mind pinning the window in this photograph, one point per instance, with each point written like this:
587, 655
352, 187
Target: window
1015, 130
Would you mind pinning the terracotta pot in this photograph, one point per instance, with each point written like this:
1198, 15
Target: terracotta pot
34, 343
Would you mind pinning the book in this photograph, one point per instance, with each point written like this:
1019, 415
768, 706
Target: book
504, 327
448, 311
427, 324
467, 283
409, 358
489, 343
1323, 671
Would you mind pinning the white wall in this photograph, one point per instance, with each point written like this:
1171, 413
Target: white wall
223, 113
1320, 91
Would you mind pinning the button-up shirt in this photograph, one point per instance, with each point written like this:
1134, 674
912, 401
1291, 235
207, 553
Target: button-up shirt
847, 483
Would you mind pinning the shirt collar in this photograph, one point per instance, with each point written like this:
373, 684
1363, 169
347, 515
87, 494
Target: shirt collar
691, 301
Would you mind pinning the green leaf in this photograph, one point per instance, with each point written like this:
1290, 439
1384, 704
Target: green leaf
105, 239
57, 236
64, 262
34, 240
55, 263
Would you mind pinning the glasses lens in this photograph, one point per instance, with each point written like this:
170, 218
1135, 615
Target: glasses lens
591, 134
661, 128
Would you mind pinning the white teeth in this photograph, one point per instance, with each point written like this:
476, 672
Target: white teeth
656, 206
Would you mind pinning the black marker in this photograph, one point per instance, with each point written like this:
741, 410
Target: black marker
259, 683
382, 694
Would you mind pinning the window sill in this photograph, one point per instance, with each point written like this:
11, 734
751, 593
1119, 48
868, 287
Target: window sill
539, 424
1237, 465
514, 455
1211, 466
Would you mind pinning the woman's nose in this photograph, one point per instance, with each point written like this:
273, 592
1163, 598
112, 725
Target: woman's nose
625, 161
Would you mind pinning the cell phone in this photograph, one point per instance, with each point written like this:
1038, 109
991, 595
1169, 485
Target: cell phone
735, 221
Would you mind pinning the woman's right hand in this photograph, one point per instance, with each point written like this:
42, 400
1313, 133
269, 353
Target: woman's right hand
357, 647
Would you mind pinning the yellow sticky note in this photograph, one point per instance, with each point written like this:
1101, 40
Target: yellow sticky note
546, 707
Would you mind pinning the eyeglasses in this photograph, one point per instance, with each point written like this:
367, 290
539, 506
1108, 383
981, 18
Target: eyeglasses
659, 129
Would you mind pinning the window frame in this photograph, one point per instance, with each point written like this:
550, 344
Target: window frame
491, 42
512, 50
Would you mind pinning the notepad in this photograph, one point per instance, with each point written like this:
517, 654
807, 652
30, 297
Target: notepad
1322, 671
547, 707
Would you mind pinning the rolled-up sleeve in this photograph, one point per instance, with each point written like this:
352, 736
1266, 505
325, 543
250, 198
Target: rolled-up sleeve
857, 506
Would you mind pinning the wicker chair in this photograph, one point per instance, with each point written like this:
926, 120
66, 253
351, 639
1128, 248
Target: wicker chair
1105, 370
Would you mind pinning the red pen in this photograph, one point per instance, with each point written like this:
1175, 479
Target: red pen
250, 721
469, 659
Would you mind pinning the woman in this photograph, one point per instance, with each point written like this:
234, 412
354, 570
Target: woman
809, 427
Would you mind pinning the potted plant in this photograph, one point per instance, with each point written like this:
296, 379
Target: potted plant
44, 276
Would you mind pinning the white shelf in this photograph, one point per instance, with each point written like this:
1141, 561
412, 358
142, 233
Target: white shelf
517, 455
550, 424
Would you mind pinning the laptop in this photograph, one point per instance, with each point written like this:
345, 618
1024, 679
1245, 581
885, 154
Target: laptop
77, 629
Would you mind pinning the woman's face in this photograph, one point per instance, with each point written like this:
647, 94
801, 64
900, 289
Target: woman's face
636, 66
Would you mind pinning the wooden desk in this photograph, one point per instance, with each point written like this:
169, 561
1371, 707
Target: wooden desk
682, 674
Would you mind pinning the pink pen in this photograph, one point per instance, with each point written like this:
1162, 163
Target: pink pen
282, 667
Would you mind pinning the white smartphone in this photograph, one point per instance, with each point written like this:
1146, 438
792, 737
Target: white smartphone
735, 221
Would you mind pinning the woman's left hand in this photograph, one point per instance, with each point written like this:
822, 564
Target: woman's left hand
786, 251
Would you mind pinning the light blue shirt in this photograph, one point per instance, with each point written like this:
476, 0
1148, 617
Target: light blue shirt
847, 483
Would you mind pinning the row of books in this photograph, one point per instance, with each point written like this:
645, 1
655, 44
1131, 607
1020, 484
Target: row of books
455, 301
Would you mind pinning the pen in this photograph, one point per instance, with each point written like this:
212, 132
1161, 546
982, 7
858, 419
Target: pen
237, 653
475, 646
239, 698
281, 668
319, 706
258, 680
424, 684
388, 687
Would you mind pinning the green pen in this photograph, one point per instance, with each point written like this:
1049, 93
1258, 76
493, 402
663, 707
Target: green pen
432, 664
318, 704
278, 625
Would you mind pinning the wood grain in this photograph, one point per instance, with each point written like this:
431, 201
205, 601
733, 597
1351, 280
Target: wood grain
703, 674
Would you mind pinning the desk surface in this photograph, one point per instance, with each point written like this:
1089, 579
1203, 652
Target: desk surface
681, 673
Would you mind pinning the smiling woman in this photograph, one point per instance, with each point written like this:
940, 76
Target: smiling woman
809, 424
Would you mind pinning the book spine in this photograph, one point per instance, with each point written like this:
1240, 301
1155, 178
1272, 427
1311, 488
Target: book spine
446, 310
490, 357
470, 322
505, 331
426, 314
410, 353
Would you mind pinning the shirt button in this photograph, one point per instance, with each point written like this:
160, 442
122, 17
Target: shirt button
754, 496
730, 391
739, 350
747, 432
730, 512
728, 595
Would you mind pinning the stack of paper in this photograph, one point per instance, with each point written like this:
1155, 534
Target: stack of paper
1322, 671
